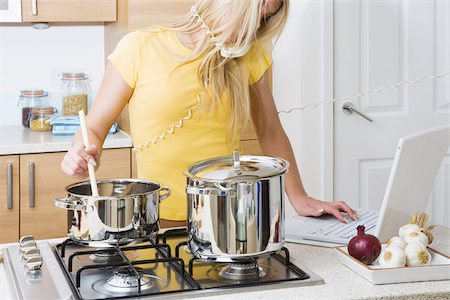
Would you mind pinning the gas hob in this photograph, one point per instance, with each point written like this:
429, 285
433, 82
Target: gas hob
159, 269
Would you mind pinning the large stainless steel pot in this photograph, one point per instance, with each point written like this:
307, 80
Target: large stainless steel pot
236, 207
126, 211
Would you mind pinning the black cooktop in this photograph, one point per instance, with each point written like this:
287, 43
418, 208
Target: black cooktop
165, 267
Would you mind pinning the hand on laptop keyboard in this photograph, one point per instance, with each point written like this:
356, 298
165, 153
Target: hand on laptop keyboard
308, 206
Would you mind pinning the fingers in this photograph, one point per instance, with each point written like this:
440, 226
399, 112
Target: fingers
77, 158
342, 206
309, 206
90, 154
70, 170
335, 212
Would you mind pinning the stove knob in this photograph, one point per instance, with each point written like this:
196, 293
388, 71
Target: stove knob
34, 263
28, 245
29, 254
25, 238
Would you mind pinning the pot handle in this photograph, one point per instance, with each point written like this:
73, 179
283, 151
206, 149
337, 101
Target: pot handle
165, 195
68, 204
216, 190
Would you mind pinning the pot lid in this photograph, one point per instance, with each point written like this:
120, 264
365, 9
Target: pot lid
238, 168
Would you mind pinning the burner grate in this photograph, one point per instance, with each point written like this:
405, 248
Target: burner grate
117, 250
131, 264
162, 254
170, 274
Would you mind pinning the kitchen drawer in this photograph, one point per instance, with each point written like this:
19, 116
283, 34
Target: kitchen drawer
69, 11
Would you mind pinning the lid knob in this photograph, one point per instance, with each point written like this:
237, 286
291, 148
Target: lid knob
236, 162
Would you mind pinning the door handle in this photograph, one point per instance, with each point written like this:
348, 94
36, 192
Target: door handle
349, 108
34, 7
9, 196
31, 183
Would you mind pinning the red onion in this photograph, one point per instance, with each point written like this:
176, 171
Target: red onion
364, 247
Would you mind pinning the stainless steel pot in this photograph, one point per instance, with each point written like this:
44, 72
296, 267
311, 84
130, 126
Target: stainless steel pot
126, 211
236, 207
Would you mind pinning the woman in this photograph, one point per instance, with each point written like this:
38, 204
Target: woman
191, 87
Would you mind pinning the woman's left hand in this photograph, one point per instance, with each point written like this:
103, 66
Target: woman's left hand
308, 206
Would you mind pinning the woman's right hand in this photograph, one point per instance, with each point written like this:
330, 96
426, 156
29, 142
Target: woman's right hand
77, 158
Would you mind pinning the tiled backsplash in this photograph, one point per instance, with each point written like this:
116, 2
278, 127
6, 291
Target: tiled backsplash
31, 58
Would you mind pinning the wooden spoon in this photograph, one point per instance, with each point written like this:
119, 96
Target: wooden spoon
91, 169
86, 221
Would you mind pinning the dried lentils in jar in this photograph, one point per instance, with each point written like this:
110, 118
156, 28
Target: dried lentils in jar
75, 90
74, 103
41, 117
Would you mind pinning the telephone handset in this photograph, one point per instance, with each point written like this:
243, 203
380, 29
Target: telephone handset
234, 52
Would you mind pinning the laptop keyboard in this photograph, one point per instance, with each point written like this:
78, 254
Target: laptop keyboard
347, 230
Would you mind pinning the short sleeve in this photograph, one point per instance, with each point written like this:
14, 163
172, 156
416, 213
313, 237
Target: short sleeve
258, 61
126, 56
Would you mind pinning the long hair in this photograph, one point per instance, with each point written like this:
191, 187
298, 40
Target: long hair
233, 23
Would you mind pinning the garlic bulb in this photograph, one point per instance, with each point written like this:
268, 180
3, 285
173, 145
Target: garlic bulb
417, 255
392, 257
416, 237
397, 242
427, 232
405, 229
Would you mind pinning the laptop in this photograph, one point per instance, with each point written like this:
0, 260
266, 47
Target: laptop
416, 164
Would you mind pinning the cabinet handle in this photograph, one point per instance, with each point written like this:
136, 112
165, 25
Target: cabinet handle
31, 179
9, 197
34, 7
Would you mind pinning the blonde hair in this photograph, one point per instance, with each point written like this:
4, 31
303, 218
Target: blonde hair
229, 76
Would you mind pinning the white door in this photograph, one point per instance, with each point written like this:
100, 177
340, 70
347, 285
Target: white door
377, 43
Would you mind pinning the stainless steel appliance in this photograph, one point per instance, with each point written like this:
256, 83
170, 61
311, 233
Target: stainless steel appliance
126, 211
236, 207
162, 268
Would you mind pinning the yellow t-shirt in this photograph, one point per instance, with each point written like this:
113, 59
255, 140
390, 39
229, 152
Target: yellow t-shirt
149, 61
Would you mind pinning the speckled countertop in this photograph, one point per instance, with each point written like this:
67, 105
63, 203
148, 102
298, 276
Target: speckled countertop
340, 282
19, 140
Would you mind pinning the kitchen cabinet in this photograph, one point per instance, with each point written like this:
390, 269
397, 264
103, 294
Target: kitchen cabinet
40, 179
69, 10
9, 198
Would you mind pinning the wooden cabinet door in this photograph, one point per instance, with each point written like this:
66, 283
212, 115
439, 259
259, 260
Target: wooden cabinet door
69, 10
38, 216
9, 199
115, 163
42, 180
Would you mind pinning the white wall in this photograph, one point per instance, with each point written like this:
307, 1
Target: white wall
31, 58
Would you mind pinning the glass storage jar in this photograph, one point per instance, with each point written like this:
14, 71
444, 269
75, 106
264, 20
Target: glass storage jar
41, 117
31, 98
75, 92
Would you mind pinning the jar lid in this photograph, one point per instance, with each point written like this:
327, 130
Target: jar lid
42, 110
74, 75
238, 168
31, 93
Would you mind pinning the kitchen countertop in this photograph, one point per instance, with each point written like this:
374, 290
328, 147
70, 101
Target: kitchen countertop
340, 282
19, 140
